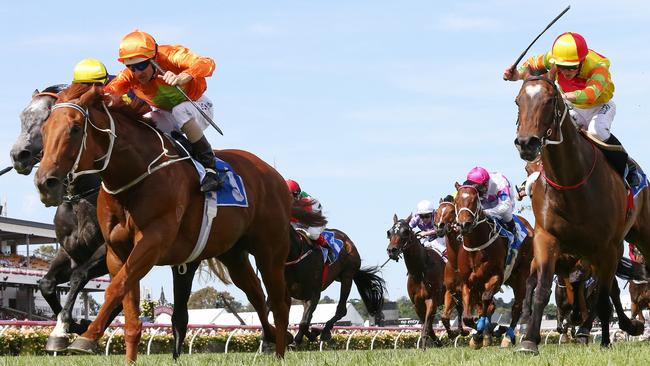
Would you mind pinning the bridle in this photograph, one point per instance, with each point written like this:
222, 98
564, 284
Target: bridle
439, 217
476, 214
403, 242
558, 115
73, 174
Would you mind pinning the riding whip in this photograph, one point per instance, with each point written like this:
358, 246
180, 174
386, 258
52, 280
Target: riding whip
514, 66
5, 170
207, 118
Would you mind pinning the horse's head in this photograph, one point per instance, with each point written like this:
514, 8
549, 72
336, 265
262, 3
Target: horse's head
26, 151
468, 207
445, 217
66, 138
399, 237
539, 117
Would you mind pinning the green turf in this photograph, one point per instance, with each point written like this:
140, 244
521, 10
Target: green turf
624, 353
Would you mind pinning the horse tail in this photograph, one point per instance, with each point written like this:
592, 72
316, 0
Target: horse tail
629, 270
219, 269
301, 213
371, 288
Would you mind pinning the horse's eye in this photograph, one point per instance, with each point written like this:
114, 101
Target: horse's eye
388, 234
75, 129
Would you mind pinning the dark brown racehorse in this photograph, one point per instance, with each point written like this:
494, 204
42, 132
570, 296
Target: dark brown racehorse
579, 204
425, 270
486, 256
304, 274
445, 225
639, 294
153, 216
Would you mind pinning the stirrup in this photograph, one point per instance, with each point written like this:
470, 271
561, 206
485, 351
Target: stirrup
211, 182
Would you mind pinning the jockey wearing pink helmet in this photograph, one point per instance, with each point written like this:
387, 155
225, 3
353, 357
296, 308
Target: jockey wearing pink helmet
497, 196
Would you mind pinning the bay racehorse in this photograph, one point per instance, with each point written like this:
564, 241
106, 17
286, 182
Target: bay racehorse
486, 257
425, 269
639, 291
82, 255
579, 202
445, 226
306, 280
150, 210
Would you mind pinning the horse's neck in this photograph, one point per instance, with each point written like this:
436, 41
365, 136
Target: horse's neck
569, 162
480, 234
85, 184
414, 257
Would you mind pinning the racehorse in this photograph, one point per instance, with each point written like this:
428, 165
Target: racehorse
579, 203
639, 293
445, 226
150, 210
425, 270
306, 280
486, 257
574, 297
82, 255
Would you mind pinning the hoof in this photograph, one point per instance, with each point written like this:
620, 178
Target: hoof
325, 336
487, 341
57, 344
83, 345
582, 338
474, 344
528, 347
637, 328
452, 334
506, 342
268, 347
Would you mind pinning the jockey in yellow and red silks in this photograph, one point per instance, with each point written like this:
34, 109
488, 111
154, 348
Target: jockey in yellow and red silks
170, 110
585, 83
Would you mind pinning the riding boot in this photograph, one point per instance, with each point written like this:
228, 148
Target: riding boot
324, 244
202, 152
510, 226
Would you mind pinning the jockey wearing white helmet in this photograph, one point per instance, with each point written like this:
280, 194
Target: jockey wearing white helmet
423, 220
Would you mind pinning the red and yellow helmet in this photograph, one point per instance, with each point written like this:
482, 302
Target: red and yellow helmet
569, 49
135, 47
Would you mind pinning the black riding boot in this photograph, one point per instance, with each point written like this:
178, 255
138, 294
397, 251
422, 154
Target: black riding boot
203, 153
510, 226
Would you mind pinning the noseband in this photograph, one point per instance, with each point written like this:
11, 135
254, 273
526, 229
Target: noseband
476, 213
405, 242
558, 115
439, 217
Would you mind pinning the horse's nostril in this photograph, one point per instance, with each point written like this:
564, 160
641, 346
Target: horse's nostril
24, 155
52, 182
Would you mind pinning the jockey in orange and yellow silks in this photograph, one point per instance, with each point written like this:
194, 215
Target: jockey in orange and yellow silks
170, 110
585, 83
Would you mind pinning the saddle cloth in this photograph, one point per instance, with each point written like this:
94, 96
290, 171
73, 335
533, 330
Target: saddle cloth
514, 243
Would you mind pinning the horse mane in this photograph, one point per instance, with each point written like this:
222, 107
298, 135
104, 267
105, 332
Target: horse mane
448, 198
75, 91
56, 89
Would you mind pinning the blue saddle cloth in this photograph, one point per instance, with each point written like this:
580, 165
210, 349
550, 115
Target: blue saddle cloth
335, 244
233, 191
513, 242
642, 178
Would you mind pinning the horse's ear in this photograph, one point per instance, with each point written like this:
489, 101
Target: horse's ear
91, 97
408, 219
35, 92
457, 185
394, 218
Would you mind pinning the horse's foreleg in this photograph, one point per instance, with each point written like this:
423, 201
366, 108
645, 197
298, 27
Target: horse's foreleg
546, 251
519, 290
492, 285
467, 308
341, 308
446, 315
182, 291
59, 272
308, 308
531, 282
133, 324
93, 268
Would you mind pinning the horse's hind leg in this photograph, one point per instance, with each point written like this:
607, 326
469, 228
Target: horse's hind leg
182, 290
632, 327
308, 310
272, 270
341, 308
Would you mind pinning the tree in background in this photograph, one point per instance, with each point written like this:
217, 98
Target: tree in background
406, 308
209, 297
93, 306
327, 300
550, 311
46, 252
360, 307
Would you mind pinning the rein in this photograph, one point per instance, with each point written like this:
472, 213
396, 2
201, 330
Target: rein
557, 114
494, 231
579, 184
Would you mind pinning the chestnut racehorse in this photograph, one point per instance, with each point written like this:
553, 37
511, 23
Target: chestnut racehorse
150, 210
445, 226
579, 203
425, 269
486, 255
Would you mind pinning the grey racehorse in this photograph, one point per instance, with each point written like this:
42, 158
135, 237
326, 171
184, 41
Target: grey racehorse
83, 252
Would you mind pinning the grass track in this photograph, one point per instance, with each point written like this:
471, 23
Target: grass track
623, 353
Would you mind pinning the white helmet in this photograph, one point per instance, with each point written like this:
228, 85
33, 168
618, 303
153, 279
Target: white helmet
425, 207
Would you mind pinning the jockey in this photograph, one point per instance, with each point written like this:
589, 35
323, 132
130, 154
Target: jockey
585, 83
170, 110
93, 71
423, 220
497, 197
314, 233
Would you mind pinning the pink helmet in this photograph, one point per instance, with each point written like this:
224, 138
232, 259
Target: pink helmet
478, 175
294, 187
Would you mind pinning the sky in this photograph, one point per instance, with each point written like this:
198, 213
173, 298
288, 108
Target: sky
371, 106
